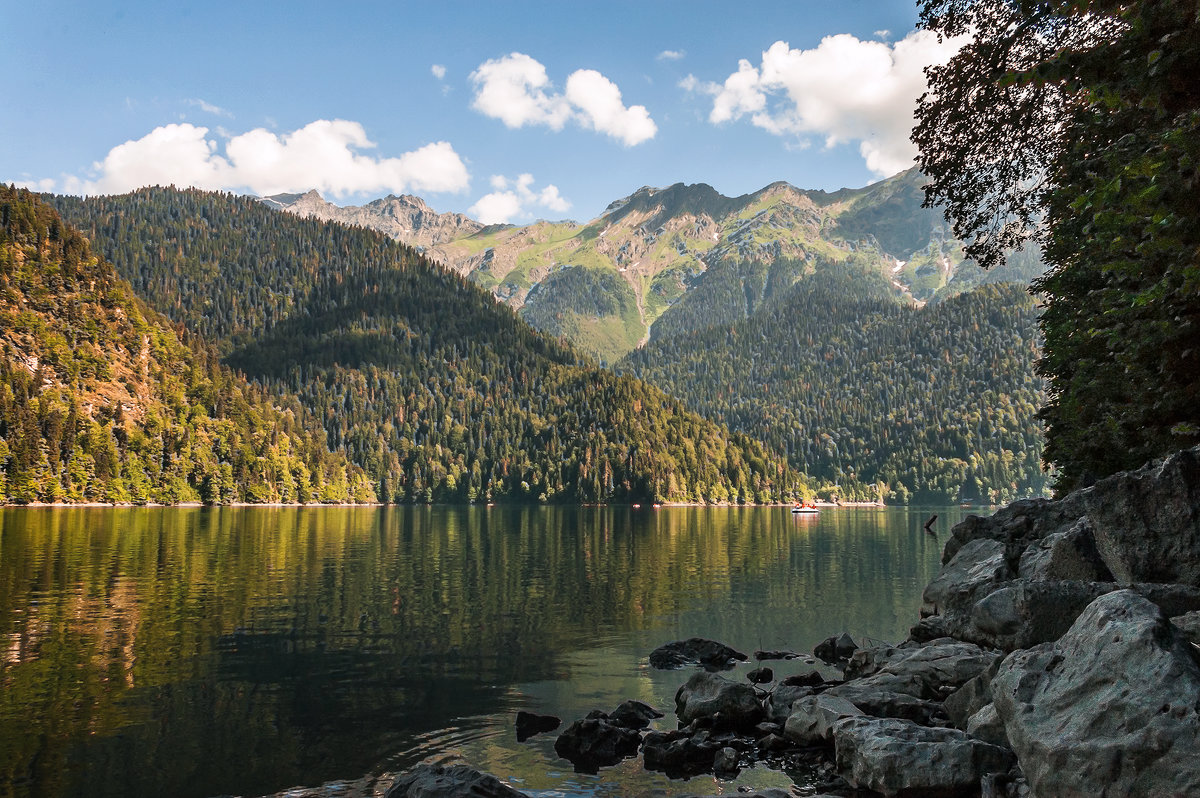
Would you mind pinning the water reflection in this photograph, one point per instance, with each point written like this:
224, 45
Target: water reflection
202, 651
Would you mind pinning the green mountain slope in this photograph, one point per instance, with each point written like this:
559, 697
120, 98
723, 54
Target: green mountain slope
417, 374
655, 246
100, 400
929, 405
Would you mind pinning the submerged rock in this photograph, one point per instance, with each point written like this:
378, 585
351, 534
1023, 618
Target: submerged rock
450, 781
1108, 709
695, 651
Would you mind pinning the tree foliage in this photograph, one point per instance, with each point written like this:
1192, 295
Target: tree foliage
931, 405
101, 400
1077, 123
417, 375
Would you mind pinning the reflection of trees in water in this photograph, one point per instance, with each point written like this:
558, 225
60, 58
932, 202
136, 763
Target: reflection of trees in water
194, 651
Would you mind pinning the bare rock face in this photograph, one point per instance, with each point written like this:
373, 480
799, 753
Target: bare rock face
454, 781
1108, 709
898, 757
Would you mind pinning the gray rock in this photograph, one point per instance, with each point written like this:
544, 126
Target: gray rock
977, 569
634, 714
970, 698
760, 676
812, 718
896, 756
1025, 613
1108, 709
1014, 526
939, 666
726, 761
1188, 625
1147, 522
593, 743
1069, 554
779, 701
837, 648
695, 651
880, 702
449, 781
986, 725
727, 704
679, 752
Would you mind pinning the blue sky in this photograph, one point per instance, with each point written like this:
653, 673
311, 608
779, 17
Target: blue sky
507, 111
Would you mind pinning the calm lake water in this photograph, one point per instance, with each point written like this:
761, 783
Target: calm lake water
246, 651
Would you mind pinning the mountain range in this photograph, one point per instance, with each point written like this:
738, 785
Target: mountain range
607, 285
760, 348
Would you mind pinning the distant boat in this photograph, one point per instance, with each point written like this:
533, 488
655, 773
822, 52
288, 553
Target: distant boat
805, 508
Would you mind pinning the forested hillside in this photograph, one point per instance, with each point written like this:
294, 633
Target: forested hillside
100, 399
418, 375
926, 405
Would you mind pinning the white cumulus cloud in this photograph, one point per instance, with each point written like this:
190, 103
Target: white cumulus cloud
516, 198
438, 71
671, 55
328, 155
516, 90
843, 90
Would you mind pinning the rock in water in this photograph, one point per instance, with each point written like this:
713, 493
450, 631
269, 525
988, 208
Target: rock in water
593, 743
454, 781
1108, 709
529, 724
760, 676
695, 651
899, 757
634, 714
838, 648
726, 703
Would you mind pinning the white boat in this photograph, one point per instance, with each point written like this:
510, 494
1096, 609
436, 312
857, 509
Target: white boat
805, 508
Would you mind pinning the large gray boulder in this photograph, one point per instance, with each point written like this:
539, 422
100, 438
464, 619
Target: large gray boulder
1147, 522
1137, 526
1109, 709
812, 718
1068, 554
449, 781
726, 703
976, 569
938, 666
899, 757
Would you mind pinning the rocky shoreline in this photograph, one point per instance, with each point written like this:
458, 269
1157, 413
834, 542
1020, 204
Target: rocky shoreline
1056, 655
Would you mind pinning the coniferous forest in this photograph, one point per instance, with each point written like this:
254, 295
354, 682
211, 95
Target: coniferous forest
416, 375
882, 399
101, 399
297, 360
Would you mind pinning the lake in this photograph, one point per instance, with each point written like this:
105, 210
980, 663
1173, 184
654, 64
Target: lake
196, 652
